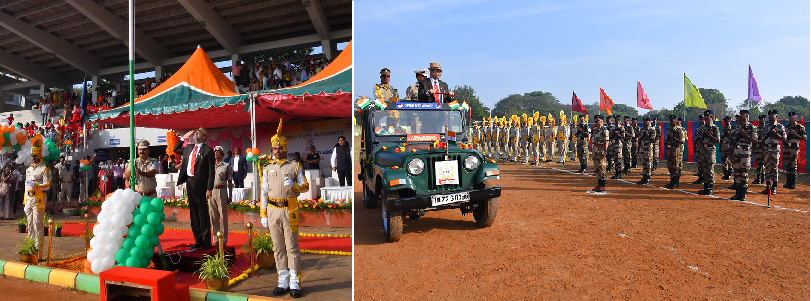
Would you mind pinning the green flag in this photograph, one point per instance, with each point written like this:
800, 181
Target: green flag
692, 98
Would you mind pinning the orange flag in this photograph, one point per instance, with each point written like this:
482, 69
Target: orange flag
605, 102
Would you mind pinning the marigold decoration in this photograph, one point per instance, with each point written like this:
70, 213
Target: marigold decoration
171, 141
413, 150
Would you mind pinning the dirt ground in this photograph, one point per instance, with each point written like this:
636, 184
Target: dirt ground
553, 240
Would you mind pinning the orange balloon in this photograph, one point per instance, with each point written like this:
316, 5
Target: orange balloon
248, 151
255, 151
20, 138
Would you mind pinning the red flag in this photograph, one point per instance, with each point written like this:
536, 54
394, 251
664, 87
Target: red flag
577, 106
642, 100
605, 102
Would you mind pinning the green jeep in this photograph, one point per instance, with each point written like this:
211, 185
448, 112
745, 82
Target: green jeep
415, 158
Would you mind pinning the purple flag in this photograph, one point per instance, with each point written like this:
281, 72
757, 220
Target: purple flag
754, 93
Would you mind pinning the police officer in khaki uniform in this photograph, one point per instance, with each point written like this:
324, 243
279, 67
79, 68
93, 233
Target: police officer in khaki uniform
412, 92
383, 91
66, 181
221, 194
36, 184
145, 170
282, 182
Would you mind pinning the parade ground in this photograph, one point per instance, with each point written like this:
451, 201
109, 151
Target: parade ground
554, 240
325, 277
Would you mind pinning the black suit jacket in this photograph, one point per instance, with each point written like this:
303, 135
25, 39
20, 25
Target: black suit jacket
426, 85
203, 166
242, 167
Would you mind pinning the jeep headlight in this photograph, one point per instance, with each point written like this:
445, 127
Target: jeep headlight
416, 166
471, 163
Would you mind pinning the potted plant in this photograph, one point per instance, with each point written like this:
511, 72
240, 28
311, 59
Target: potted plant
263, 245
214, 272
28, 251
45, 219
22, 224
58, 229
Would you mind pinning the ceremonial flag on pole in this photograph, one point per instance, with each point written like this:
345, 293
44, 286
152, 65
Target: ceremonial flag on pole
577, 106
754, 93
605, 102
692, 98
642, 100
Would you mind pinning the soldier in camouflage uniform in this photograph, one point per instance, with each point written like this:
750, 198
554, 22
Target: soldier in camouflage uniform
609, 124
635, 142
582, 133
758, 151
646, 136
626, 144
599, 142
726, 148
775, 134
795, 133
656, 142
697, 140
743, 136
711, 136
617, 136
674, 150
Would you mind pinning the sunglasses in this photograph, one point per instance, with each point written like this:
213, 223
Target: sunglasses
385, 76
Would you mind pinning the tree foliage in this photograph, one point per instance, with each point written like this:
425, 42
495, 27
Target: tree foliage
798, 104
477, 109
543, 102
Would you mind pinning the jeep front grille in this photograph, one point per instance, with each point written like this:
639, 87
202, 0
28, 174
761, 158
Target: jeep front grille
432, 186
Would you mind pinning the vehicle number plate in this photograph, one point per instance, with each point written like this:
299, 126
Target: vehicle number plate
437, 200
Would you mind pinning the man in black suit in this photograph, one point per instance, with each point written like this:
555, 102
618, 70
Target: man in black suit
240, 166
431, 87
197, 171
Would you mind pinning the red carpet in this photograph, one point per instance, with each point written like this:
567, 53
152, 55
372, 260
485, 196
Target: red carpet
175, 237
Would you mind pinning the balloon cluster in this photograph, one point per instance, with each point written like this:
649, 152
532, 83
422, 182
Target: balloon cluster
12, 138
252, 154
110, 247
171, 140
84, 164
50, 152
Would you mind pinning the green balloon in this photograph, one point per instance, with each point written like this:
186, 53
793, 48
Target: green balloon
153, 218
121, 256
16, 147
147, 230
144, 200
133, 262
163, 215
6, 137
146, 208
136, 212
144, 262
157, 204
159, 229
132, 233
148, 252
136, 253
154, 241
139, 220
141, 242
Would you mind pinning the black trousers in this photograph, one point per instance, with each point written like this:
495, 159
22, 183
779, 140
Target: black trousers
198, 212
118, 183
343, 177
239, 182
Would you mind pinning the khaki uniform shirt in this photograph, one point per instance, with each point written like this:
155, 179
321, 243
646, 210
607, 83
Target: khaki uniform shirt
386, 93
223, 174
65, 175
38, 173
145, 184
273, 175
412, 92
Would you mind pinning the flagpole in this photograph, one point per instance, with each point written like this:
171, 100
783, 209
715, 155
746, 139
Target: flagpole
131, 25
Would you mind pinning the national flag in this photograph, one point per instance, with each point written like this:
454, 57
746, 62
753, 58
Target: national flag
380, 104
83, 102
692, 98
642, 100
363, 102
754, 93
465, 106
454, 105
578, 106
605, 102
451, 136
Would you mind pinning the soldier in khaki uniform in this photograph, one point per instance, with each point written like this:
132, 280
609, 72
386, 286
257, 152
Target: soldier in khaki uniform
383, 91
775, 134
757, 151
583, 132
145, 170
646, 136
282, 182
513, 143
534, 131
674, 151
726, 148
36, 184
563, 138
221, 194
630, 137
549, 136
412, 92
710, 136
795, 133
475, 134
66, 181
743, 136
599, 144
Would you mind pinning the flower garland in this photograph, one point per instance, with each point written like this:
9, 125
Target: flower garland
342, 253
68, 260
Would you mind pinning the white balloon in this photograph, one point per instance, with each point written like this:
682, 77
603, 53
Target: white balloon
96, 267
119, 208
117, 220
116, 241
108, 260
106, 204
115, 232
91, 255
99, 230
103, 239
127, 219
45, 151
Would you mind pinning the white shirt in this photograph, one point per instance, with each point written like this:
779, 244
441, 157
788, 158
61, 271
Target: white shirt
435, 82
334, 159
189, 166
234, 162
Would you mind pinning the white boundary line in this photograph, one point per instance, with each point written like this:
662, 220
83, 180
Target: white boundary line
683, 191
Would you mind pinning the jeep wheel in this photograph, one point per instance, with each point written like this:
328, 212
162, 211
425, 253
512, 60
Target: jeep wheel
392, 221
369, 198
485, 214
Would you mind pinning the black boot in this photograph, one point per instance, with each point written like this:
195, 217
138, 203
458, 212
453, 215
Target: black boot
626, 170
617, 175
737, 195
707, 189
767, 190
644, 180
700, 179
672, 181
676, 182
582, 168
743, 190
758, 179
790, 181
726, 175
774, 188
600, 186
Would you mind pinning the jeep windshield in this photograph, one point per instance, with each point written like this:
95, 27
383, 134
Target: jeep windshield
410, 122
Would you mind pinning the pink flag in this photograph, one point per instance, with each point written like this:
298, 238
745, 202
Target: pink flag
754, 92
642, 100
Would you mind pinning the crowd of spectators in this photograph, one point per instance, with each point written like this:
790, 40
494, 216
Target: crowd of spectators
276, 75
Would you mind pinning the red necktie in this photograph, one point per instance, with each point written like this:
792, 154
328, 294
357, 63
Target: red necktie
193, 160
436, 96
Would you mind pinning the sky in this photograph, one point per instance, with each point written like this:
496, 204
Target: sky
501, 48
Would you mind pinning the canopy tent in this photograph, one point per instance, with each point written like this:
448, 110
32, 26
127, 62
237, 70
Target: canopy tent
327, 94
